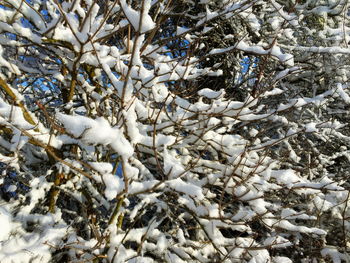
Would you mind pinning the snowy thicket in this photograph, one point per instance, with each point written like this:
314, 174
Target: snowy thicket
174, 131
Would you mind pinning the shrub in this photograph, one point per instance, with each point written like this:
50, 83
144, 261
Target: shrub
174, 131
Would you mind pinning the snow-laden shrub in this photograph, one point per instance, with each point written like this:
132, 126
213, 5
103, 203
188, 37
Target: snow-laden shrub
116, 147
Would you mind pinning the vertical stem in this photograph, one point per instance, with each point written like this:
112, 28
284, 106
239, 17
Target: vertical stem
116, 211
54, 192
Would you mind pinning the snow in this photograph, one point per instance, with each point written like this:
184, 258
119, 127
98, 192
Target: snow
26, 32
311, 127
33, 247
96, 132
260, 256
291, 18
341, 92
286, 177
11, 188
285, 72
14, 114
211, 94
5, 63
277, 242
136, 51
173, 258
186, 188
172, 166
134, 16
6, 224
275, 91
334, 254
114, 185
284, 58
281, 260
319, 49
196, 166
180, 236
289, 226
101, 167
162, 243
321, 204
275, 51
181, 30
